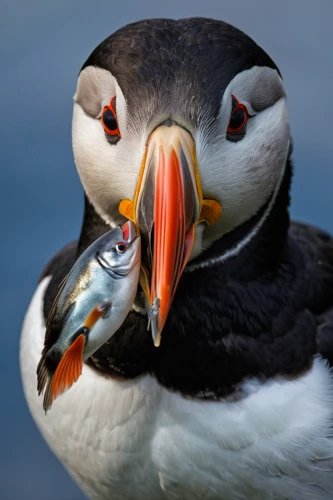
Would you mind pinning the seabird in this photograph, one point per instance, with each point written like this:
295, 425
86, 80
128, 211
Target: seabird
182, 127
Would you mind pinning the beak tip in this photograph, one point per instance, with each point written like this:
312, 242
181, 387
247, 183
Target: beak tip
157, 339
155, 332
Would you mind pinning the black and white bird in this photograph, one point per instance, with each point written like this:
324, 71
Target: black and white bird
182, 126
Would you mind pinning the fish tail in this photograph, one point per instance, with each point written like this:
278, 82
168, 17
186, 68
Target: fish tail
67, 372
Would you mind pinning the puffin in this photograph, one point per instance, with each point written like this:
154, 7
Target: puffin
182, 127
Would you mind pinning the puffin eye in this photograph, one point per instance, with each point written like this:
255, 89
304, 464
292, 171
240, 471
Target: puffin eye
238, 119
110, 123
121, 247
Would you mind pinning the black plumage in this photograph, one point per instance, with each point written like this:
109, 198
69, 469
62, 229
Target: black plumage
264, 312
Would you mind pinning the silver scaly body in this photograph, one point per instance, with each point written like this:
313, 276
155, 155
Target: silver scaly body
92, 303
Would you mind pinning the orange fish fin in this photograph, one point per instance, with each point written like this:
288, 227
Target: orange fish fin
68, 371
93, 317
102, 310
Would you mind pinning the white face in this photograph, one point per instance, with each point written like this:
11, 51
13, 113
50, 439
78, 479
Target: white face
241, 175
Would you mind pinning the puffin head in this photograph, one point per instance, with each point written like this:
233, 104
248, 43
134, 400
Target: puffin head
182, 127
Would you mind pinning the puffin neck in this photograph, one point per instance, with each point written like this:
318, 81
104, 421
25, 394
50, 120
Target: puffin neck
93, 226
260, 240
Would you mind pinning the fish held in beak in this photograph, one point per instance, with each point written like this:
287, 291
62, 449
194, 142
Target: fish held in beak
92, 303
168, 205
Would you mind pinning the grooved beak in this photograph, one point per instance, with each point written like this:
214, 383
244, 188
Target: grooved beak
168, 204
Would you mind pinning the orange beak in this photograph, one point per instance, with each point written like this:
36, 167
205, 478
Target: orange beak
167, 206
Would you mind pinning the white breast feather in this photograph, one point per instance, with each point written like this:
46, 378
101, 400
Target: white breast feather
136, 440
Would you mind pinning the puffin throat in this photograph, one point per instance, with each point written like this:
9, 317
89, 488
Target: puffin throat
168, 204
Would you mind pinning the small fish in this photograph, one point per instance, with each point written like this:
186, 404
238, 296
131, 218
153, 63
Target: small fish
92, 303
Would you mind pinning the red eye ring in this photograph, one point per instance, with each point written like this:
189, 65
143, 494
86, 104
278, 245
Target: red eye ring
242, 117
112, 118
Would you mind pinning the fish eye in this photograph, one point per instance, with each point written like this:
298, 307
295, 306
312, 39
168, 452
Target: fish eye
121, 247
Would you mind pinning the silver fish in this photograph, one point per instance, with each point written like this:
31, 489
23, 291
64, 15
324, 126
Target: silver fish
92, 303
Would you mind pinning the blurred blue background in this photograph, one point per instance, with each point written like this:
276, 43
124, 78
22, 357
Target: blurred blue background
43, 45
